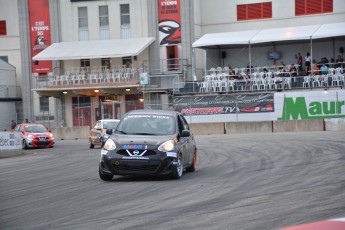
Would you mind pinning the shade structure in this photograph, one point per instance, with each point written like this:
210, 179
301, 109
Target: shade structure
228, 38
296, 33
284, 34
330, 30
94, 49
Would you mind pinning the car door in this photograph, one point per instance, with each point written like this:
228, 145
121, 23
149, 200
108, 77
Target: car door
187, 143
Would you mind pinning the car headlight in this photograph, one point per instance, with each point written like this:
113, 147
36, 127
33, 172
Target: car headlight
30, 136
51, 135
167, 146
109, 145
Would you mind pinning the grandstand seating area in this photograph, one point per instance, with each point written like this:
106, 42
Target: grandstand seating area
96, 75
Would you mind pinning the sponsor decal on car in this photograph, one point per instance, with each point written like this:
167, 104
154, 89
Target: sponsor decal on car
135, 158
171, 154
128, 146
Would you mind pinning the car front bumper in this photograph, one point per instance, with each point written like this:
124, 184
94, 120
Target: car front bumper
160, 164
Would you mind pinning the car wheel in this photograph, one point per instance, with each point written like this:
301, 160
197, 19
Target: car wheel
105, 177
178, 168
24, 145
90, 144
192, 168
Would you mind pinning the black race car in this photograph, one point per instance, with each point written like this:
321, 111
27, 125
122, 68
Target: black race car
149, 142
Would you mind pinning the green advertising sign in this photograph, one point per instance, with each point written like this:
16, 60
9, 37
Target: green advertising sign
300, 109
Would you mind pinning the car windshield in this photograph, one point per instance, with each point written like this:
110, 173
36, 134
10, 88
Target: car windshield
142, 124
110, 124
35, 129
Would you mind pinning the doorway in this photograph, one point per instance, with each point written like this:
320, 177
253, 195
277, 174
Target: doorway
172, 58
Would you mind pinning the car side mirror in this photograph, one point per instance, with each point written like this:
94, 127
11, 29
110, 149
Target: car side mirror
109, 131
185, 133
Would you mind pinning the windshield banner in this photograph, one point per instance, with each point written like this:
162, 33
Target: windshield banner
225, 104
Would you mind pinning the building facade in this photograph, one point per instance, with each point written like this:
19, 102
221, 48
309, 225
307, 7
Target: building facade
80, 61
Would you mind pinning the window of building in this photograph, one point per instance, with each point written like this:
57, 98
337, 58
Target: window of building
103, 16
85, 63
254, 11
125, 16
44, 104
125, 21
106, 63
304, 7
3, 30
127, 61
103, 23
83, 24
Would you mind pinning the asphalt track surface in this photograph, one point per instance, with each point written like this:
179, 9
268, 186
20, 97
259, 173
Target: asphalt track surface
243, 181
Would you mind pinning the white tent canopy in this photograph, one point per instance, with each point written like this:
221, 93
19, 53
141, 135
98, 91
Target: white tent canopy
94, 49
271, 35
330, 30
229, 38
284, 34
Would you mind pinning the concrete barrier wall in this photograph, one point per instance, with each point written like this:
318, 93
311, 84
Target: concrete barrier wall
298, 126
266, 126
68, 133
336, 124
207, 128
71, 133
248, 127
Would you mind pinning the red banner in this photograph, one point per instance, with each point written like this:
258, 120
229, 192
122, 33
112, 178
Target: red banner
39, 21
169, 22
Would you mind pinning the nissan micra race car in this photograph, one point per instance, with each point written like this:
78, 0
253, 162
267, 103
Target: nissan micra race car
149, 142
35, 135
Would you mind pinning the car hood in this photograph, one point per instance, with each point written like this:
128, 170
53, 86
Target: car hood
38, 134
141, 139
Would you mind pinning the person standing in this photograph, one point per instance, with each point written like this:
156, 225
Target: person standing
13, 124
307, 61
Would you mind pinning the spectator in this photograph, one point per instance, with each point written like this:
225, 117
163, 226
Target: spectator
316, 69
307, 62
325, 60
339, 62
324, 68
13, 124
250, 69
293, 70
27, 120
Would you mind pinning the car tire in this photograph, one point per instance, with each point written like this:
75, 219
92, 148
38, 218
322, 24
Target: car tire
91, 146
24, 145
178, 168
192, 168
105, 177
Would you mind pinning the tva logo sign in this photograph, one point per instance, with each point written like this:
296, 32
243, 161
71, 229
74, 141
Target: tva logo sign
298, 108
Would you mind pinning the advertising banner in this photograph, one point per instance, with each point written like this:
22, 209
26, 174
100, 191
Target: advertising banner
311, 105
10, 140
169, 22
40, 38
225, 104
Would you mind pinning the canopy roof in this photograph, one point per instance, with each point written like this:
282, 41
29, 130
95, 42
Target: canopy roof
229, 38
272, 35
94, 49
